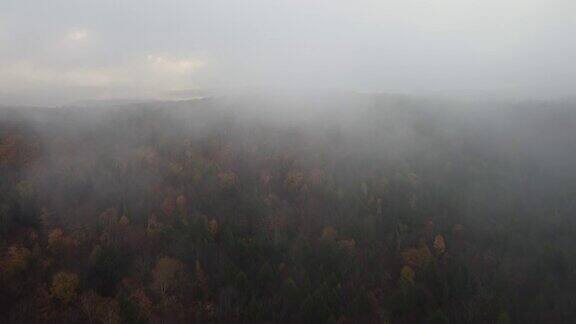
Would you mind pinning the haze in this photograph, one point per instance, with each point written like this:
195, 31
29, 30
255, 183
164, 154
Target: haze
59, 52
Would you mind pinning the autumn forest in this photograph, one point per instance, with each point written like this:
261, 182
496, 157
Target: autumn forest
345, 209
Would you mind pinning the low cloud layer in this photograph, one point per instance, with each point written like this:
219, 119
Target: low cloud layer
61, 51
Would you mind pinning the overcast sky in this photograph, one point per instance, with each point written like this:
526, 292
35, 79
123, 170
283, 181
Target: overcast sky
59, 51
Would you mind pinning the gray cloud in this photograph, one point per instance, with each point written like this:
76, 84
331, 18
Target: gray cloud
66, 50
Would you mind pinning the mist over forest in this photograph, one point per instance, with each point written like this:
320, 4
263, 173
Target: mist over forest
293, 208
287, 161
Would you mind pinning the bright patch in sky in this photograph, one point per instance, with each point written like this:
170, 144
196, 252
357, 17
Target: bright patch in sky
78, 35
172, 65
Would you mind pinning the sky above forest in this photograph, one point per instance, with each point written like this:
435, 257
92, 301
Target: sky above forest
61, 51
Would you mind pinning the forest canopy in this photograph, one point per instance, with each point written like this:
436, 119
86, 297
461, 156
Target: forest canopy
328, 208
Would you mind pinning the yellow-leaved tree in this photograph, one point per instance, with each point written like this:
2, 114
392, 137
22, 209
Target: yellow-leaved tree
167, 274
329, 233
64, 286
439, 244
17, 260
406, 276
